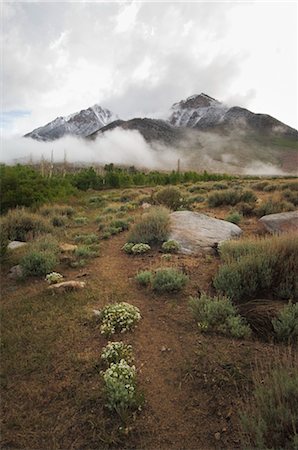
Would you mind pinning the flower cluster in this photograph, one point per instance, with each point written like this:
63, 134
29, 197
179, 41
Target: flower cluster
136, 249
54, 277
120, 386
170, 246
118, 317
114, 352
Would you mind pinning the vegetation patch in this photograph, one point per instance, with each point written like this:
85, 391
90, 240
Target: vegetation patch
286, 324
230, 197
171, 246
168, 280
273, 206
118, 318
255, 267
218, 314
144, 278
114, 352
21, 225
170, 197
154, 227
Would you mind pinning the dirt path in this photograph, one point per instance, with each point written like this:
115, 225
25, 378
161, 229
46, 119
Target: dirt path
164, 343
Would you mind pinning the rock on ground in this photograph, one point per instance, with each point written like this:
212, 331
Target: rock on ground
196, 232
67, 286
16, 244
15, 272
68, 247
281, 222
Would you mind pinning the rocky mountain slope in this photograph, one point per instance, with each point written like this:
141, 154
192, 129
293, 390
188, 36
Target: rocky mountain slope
81, 123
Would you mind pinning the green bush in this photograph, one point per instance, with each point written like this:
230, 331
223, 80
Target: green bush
140, 249
21, 225
118, 318
254, 267
286, 324
120, 387
80, 220
273, 206
3, 242
168, 280
127, 248
290, 196
122, 224
113, 352
46, 243
86, 239
246, 209
154, 227
40, 263
271, 416
58, 221
144, 278
234, 217
260, 186
170, 197
230, 197
171, 246
218, 314
85, 251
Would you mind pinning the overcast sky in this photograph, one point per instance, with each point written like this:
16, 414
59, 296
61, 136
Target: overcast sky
138, 58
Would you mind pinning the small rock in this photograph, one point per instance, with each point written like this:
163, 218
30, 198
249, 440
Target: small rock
15, 272
217, 436
67, 286
163, 348
68, 247
83, 274
96, 312
146, 205
16, 244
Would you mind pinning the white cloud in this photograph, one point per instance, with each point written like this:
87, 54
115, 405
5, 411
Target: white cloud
138, 58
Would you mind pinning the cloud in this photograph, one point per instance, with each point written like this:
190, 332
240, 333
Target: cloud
140, 57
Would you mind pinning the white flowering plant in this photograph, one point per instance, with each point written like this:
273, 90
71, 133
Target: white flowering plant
54, 277
120, 386
118, 318
139, 249
171, 246
114, 352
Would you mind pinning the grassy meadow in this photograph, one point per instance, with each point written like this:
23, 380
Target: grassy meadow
158, 349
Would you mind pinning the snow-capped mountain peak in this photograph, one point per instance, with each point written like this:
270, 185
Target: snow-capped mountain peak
82, 123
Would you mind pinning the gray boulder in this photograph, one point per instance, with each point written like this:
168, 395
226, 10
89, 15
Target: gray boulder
15, 272
281, 222
196, 232
16, 244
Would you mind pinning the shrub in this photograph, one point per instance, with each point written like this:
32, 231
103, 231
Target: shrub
260, 185
140, 249
118, 318
113, 352
3, 242
120, 224
153, 227
234, 217
85, 251
144, 278
36, 263
54, 277
286, 324
168, 280
230, 197
113, 230
80, 220
96, 200
252, 267
127, 248
273, 206
246, 209
290, 196
271, 416
171, 246
21, 225
46, 243
218, 314
120, 387
106, 235
169, 197
58, 210
86, 239
58, 221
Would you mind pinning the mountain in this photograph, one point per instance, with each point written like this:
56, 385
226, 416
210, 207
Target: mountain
205, 113
150, 129
81, 123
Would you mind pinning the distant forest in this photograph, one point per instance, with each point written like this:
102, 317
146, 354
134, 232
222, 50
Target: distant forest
23, 185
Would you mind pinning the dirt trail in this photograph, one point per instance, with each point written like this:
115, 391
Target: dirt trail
164, 344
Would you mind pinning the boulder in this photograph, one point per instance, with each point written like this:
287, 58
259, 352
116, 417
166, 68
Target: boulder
281, 222
16, 272
16, 244
196, 232
67, 286
65, 248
